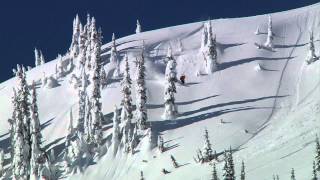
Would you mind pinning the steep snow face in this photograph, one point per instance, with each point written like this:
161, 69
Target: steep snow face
264, 104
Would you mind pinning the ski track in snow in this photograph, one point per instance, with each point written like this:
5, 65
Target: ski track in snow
263, 126
298, 84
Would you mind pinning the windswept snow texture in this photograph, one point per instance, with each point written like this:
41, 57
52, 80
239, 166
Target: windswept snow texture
278, 103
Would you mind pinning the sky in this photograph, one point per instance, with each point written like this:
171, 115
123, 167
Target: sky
47, 24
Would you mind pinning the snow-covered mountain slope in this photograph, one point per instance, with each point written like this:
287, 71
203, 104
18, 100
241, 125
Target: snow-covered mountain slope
275, 96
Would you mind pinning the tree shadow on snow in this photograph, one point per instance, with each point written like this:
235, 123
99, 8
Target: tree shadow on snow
280, 46
226, 65
155, 106
46, 124
181, 122
222, 47
228, 104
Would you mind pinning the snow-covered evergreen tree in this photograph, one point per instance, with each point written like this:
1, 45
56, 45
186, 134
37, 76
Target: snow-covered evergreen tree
314, 172
35, 122
68, 145
127, 135
317, 156
228, 169
21, 148
91, 32
138, 28
214, 175
311, 56
15, 107
134, 139
113, 51
293, 176
207, 149
204, 37
36, 155
37, 57
82, 48
42, 60
126, 112
141, 112
116, 132
269, 43
25, 118
141, 175
114, 57
1, 163
82, 94
126, 103
180, 45
88, 122
211, 52
74, 47
243, 173
257, 32
103, 78
170, 108
36, 136
96, 111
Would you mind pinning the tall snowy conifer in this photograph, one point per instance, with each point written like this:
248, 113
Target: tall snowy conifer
293, 176
116, 132
243, 173
211, 52
114, 52
126, 112
214, 173
35, 122
82, 94
82, 48
204, 37
37, 57
36, 136
207, 149
90, 26
21, 139
317, 157
269, 43
42, 60
24, 105
74, 48
12, 121
96, 111
114, 57
1, 163
141, 112
314, 172
228, 169
134, 139
138, 28
170, 108
103, 78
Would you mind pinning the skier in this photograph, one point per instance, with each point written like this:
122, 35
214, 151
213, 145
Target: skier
182, 78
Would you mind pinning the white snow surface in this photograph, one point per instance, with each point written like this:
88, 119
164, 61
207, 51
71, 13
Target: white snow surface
279, 104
